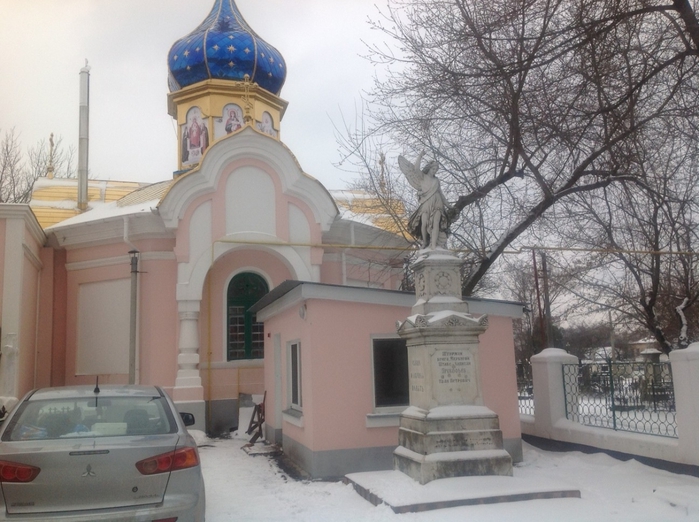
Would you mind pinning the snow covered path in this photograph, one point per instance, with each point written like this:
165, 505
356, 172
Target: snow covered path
241, 488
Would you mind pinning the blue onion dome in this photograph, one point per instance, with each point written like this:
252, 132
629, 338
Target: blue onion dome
225, 47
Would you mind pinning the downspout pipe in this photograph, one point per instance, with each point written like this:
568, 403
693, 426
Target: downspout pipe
133, 316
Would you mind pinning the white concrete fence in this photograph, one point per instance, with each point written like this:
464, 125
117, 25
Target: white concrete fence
549, 420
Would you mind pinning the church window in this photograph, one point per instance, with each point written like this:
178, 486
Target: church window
390, 373
245, 334
295, 375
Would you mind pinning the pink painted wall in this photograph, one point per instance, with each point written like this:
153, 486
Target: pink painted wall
373, 273
158, 317
28, 328
60, 323
46, 320
222, 379
337, 372
158, 320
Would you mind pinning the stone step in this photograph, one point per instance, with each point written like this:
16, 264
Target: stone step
425, 468
448, 441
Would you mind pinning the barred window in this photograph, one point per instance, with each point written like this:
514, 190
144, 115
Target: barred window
245, 334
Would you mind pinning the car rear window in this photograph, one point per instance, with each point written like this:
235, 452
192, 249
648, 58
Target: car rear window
90, 417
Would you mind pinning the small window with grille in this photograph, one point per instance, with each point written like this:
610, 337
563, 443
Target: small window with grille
245, 334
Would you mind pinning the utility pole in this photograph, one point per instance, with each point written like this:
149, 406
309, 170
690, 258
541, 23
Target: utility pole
547, 303
542, 330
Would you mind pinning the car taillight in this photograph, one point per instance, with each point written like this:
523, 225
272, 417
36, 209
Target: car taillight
180, 459
13, 472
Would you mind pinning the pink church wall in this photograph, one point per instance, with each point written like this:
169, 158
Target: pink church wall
499, 374
46, 320
331, 273
158, 321
28, 325
158, 318
222, 379
59, 314
337, 372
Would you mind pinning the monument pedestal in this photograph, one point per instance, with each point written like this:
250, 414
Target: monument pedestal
451, 441
446, 431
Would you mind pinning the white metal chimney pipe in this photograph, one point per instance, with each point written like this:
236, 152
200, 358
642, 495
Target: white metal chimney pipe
84, 133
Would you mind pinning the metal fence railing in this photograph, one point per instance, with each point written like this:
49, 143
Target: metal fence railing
525, 388
627, 396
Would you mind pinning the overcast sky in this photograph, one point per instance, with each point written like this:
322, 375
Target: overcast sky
44, 43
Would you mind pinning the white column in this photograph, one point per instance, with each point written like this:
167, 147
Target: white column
549, 393
685, 374
188, 384
11, 308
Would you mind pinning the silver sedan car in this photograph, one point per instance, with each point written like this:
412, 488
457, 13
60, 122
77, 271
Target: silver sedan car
86, 453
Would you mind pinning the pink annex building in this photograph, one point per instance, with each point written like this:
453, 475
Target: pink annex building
251, 277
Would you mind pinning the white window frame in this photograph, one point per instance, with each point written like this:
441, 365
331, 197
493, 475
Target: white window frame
295, 382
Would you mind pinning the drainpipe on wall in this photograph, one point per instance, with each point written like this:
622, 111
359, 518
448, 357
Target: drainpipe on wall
133, 318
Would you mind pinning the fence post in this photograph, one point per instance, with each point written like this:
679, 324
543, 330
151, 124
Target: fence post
685, 375
549, 393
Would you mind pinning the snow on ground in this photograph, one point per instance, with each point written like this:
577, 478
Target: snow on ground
242, 488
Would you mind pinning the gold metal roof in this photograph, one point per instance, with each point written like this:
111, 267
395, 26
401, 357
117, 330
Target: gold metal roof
55, 200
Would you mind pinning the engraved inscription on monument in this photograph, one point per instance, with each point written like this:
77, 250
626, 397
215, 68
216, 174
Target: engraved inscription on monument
454, 367
417, 376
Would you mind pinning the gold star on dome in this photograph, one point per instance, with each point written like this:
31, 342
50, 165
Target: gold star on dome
262, 54
189, 68
247, 51
231, 48
271, 59
197, 49
175, 57
231, 64
216, 47
186, 53
269, 74
230, 36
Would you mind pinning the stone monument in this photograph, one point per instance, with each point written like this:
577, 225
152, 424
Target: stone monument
446, 431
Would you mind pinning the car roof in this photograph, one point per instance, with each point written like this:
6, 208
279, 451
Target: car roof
106, 390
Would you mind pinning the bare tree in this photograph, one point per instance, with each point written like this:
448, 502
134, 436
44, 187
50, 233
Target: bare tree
55, 154
526, 103
18, 171
644, 266
15, 185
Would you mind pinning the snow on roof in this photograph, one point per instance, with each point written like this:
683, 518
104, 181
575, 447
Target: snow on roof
362, 207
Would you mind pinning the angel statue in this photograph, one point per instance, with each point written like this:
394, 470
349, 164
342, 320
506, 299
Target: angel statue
430, 221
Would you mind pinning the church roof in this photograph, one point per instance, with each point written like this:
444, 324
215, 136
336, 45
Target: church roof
225, 47
56, 200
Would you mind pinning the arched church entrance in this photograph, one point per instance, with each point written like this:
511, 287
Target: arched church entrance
245, 335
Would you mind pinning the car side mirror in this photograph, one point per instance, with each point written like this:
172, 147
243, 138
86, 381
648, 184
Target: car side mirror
187, 418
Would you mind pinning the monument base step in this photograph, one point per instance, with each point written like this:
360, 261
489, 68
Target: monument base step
403, 495
426, 468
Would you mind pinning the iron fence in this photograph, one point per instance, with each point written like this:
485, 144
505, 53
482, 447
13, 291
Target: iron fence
627, 396
525, 388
